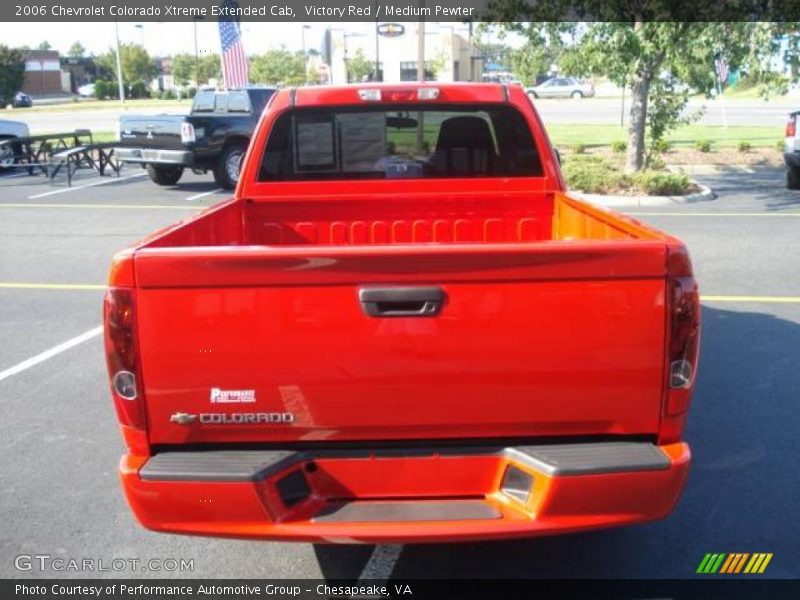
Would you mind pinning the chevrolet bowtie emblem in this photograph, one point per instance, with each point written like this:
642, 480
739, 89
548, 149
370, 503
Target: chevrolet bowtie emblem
182, 418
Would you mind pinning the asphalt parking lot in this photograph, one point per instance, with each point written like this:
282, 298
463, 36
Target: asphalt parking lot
59, 493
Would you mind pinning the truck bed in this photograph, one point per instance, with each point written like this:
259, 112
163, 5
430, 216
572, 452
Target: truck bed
390, 221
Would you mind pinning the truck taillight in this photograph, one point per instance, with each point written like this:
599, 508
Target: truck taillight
187, 133
684, 341
122, 357
791, 126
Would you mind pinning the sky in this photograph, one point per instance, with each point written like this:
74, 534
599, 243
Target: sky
162, 39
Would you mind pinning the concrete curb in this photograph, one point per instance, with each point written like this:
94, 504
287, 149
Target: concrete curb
705, 193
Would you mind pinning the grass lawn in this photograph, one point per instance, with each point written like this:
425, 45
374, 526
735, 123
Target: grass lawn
722, 137
105, 104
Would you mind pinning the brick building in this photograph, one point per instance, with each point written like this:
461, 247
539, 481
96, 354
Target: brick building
42, 73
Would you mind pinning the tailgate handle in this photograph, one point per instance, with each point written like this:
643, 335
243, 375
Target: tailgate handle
402, 301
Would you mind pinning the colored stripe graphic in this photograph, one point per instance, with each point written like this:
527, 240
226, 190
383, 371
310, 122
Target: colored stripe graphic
711, 563
729, 562
734, 563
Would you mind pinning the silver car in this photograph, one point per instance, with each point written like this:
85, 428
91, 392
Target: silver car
562, 87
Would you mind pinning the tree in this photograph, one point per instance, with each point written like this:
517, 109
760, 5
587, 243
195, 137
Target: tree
76, 50
136, 63
12, 73
654, 59
359, 67
278, 67
45, 45
183, 68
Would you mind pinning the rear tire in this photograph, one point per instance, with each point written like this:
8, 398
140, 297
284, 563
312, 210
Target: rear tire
229, 166
164, 175
793, 178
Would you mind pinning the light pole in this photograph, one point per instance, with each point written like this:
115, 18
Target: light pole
305, 57
120, 83
196, 56
140, 27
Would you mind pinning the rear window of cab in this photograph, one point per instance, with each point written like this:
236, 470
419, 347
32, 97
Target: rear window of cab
355, 142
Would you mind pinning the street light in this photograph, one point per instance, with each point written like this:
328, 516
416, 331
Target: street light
140, 27
196, 55
305, 57
120, 84
303, 35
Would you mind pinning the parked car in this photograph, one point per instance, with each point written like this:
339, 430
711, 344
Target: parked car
791, 152
213, 137
562, 87
10, 130
22, 100
380, 338
86, 90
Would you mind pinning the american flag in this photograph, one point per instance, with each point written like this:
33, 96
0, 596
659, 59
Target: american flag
722, 69
235, 68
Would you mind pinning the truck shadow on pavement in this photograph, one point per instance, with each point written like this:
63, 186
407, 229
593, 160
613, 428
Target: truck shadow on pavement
767, 184
740, 496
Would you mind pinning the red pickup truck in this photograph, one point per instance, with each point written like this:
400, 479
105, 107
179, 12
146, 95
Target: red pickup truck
402, 328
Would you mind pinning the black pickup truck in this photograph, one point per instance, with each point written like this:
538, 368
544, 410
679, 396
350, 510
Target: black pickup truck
212, 137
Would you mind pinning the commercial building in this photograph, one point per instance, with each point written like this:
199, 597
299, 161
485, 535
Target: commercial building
449, 55
43, 73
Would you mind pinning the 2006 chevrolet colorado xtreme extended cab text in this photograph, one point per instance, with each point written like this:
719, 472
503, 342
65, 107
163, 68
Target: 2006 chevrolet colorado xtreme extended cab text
402, 328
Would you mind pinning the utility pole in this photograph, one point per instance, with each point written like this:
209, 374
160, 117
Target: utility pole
120, 84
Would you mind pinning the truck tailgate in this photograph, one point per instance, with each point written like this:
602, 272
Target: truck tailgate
156, 131
560, 338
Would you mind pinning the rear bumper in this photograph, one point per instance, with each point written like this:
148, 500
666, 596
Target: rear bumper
405, 496
154, 156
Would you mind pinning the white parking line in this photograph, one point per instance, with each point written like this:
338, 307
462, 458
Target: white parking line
81, 187
381, 564
204, 194
39, 358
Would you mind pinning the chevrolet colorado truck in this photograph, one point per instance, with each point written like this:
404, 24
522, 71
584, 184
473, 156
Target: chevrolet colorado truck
213, 136
402, 328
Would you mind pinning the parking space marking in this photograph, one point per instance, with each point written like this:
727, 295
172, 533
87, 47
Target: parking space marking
711, 214
43, 356
768, 299
120, 206
87, 185
51, 286
203, 194
381, 563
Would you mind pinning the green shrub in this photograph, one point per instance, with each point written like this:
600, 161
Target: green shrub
138, 89
191, 92
780, 146
656, 163
168, 95
619, 146
703, 145
744, 146
101, 89
578, 148
659, 183
593, 174
662, 146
